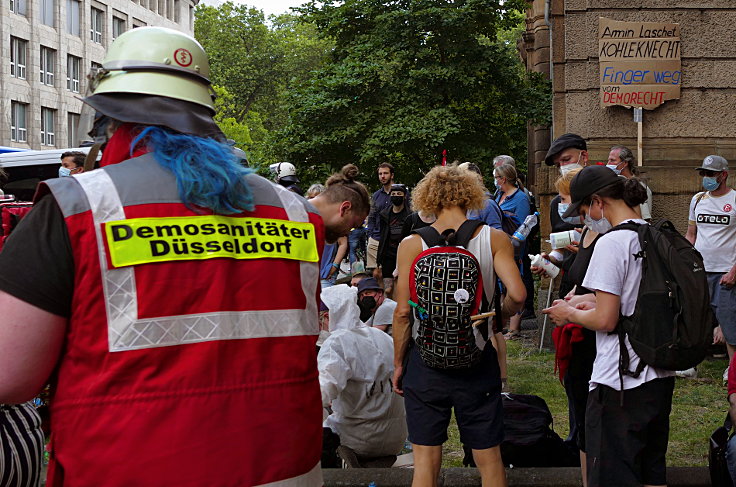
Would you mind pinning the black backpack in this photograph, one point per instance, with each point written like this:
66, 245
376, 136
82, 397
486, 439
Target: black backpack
671, 325
529, 440
446, 287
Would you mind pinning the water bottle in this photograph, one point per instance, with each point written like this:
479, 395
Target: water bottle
549, 267
525, 228
372, 484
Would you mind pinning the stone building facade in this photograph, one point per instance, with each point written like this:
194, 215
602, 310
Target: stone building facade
561, 41
48, 48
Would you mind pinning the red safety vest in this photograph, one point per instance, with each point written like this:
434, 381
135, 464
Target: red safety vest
178, 370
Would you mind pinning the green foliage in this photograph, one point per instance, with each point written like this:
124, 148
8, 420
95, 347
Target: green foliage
253, 66
409, 79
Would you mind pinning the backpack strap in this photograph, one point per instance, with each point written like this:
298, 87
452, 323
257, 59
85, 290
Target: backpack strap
430, 236
465, 233
459, 238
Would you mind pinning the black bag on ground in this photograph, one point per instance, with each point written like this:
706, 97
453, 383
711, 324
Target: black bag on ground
529, 440
719, 475
671, 325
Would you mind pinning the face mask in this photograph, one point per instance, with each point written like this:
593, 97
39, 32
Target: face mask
569, 167
64, 172
614, 168
397, 200
572, 220
710, 183
366, 305
598, 226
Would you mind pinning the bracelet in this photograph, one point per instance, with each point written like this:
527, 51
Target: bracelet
336, 266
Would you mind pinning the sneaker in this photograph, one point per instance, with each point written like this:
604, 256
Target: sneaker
725, 376
690, 373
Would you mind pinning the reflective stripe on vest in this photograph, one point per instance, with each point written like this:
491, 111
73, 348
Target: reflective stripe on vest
127, 332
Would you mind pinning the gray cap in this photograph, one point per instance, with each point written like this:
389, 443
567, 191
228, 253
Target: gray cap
714, 163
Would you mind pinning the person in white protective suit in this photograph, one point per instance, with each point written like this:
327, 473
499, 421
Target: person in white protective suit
355, 368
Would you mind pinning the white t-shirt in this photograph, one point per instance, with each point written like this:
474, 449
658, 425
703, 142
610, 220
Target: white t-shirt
715, 219
384, 314
613, 269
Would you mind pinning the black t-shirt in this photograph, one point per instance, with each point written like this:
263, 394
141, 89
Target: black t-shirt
36, 262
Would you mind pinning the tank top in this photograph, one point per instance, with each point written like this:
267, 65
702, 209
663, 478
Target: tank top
580, 264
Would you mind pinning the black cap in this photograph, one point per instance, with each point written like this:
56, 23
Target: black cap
370, 283
563, 142
587, 182
399, 187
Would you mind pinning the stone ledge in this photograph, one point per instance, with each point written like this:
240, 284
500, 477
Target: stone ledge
520, 477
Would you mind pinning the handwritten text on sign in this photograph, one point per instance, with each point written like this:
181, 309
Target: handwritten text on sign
639, 63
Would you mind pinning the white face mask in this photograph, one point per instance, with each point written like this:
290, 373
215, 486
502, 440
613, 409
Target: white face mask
569, 167
572, 166
598, 226
614, 168
572, 220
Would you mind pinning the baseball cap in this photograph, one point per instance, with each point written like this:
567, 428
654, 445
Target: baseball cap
714, 163
587, 182
368, 284
563, 142
399, 187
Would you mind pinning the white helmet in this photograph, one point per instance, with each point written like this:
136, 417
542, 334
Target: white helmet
283, 170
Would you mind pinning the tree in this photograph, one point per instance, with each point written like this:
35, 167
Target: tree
409, 79
253, 65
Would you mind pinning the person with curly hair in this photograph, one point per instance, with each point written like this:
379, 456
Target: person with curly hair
429, 393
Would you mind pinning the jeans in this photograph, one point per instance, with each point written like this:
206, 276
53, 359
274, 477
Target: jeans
357, 242
731, 457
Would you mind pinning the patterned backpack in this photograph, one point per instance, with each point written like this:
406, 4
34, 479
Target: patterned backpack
446, 290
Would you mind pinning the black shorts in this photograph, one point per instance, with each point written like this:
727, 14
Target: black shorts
626, 446
475, 393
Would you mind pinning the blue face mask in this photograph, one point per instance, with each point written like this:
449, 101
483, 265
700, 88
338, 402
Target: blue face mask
64, 172
614, 168
710, 183
572, 220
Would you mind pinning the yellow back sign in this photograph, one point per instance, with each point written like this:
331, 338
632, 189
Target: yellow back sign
146, 240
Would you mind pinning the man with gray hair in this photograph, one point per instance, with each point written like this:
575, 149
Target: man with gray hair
621, 160
503, 160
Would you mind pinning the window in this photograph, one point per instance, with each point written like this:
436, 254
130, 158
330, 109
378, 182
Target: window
95, 66
18, 121
177, 11
72, 17
191, 18
47, 12
72, 130
73, 67
138, 23
118, 27
97, 25
48, 58
47, 126
18, 7
18, 57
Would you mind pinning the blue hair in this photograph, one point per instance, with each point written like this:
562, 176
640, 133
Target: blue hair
207, 172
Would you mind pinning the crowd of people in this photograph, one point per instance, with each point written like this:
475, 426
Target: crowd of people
198, 364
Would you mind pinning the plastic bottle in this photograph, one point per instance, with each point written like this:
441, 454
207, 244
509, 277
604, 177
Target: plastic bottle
549, 267
525, 228
560, 240
372, 484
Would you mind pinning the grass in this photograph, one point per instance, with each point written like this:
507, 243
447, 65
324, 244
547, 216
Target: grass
698, 407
